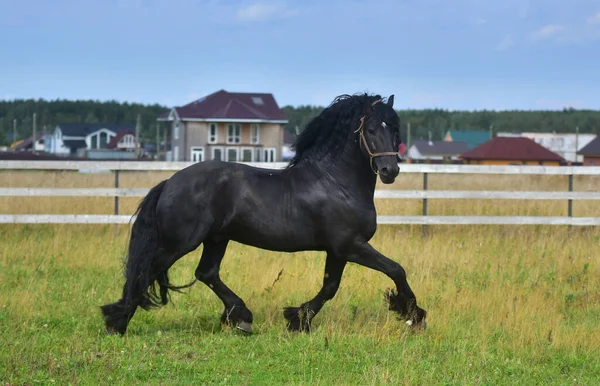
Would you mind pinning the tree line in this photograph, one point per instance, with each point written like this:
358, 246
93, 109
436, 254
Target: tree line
423, 122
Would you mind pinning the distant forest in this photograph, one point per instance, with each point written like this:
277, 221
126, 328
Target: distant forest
423, 122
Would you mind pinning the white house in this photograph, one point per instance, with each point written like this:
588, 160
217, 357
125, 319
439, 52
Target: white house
68, 138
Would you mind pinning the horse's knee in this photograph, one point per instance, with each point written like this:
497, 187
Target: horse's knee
205, 277
398, 273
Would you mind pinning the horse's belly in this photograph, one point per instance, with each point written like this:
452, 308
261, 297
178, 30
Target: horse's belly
277, 234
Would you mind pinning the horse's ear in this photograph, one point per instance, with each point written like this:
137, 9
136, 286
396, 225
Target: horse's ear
390, 101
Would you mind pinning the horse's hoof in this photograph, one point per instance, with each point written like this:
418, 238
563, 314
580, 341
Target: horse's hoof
245, 326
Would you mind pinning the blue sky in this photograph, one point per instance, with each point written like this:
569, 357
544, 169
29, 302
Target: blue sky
460, 54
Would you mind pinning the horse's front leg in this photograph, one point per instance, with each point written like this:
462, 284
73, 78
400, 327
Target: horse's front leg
404, 302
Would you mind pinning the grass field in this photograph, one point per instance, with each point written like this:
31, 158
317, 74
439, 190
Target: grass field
507, 305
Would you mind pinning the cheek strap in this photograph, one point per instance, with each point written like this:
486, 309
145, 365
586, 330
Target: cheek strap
372, 155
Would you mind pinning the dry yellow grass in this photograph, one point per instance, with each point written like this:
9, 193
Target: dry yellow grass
505, 303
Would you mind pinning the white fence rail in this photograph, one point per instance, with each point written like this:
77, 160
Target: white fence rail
424, 195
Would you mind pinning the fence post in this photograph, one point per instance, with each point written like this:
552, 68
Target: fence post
116, 196
570, 205
425, 204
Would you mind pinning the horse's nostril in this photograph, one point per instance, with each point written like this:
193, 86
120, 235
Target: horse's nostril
384, 170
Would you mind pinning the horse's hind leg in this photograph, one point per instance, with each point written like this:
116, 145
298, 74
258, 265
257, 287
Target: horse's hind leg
236, 313
299, 318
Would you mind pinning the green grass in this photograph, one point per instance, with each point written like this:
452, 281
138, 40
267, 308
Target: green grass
507, 305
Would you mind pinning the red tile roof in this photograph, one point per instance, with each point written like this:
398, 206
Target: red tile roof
511, 148
228, 105
115, 140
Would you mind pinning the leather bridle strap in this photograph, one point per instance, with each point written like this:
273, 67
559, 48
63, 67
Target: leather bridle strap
364, 141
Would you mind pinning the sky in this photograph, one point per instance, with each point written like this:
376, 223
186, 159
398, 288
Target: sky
459, 54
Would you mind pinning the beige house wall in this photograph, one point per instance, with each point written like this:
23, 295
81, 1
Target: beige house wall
195, 134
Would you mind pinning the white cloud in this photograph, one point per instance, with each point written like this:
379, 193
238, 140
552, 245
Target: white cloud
262, 11
595, 19
548, 31
506, 42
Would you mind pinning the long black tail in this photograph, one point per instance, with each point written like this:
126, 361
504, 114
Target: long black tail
142, 269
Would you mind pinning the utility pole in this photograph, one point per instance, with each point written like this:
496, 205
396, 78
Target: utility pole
491, 131
138, 127
165, 136
14, 130
157, 140
34, 133
576, 142
408, 135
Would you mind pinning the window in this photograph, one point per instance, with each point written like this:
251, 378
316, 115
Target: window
217, 153
234, 133
104, 138
176, 131
197, 154
212, 133
257, 154
247, 153
257, 100
232, 154
269, 154
254, 133
175, 153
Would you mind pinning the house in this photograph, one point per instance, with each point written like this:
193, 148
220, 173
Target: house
69, 138
566, 145
511, 151
124, 140
238, 127
421, 150
472, 138
30, 144
591, 153
121, 146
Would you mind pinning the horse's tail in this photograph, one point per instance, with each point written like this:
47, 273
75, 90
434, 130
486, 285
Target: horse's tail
143, 267
143, 247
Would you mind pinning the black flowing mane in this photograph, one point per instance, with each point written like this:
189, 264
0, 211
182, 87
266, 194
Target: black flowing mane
326, 134
319, 206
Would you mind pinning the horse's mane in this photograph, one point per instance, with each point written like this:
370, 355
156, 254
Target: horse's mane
327, 133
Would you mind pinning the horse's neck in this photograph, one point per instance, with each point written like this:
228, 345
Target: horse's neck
351, 170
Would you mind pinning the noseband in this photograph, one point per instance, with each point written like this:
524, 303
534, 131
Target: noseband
364, 141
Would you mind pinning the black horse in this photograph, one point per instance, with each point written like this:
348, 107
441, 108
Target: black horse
322, 201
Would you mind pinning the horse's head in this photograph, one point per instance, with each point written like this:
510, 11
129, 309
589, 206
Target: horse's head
379, 133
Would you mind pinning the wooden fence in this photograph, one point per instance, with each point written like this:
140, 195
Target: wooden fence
115, 166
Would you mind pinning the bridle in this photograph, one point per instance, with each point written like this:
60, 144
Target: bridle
364, 141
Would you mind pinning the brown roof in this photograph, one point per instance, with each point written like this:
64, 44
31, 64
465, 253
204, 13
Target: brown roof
592, 148
229, 105
115, 140
512, 148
